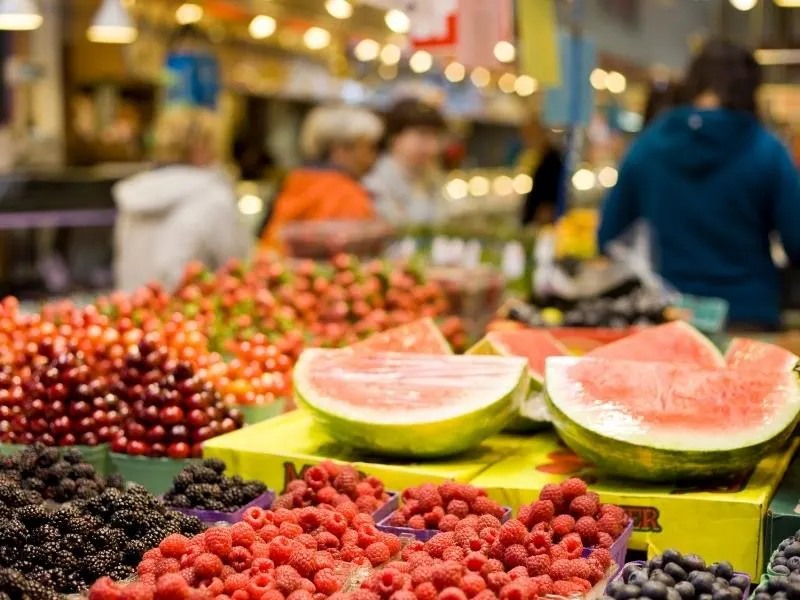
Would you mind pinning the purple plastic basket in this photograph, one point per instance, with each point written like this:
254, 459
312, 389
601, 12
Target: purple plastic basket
423, 535
619, 548
215, 516
641, 563
391, 505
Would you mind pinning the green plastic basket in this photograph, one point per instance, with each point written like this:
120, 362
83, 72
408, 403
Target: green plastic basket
768, 572
155, 474
97, 456
256, 414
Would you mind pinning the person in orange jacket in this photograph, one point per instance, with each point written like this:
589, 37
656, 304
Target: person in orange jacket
341, 144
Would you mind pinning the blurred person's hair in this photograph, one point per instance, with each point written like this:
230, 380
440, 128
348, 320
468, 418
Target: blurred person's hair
180, 130
410, 113
728, 70
661, 96
328, 126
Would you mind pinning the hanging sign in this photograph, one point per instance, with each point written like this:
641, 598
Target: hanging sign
193, 78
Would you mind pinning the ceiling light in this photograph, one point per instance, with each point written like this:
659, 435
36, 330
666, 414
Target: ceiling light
20, 15
397, 21
262, 26
367, 50
421, 61
503, 185
745, 4
391, 54
189, 13
316, 38
250, 204
457, 189
523, 183
598, 79
111, 25
507, 83
526, 85
616, 83
505, 52
481, 77
455, 72
339, 9
583, 180
608, 177
479, 186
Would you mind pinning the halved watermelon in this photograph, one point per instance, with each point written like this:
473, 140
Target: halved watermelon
409, 405
666, 422
745, 353
421, 336
535, 345
676, 342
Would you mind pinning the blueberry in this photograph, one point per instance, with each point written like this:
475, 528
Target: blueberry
656, 563
780, 561
638, 578
674, 570
762, 596
659, 575
793, 563
741, 582
692, 562
721, 594
630, 568
685, 589
712, 568
736, 593
671, 556
654, 589
781, 569
704, 597
725, 570
673, 595
721, 581
777, 583
627, 592
614, 587
793, 590
703, 582
792, 549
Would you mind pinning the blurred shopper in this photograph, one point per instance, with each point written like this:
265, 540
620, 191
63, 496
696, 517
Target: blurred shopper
713, 184
543, 159
662, 96
182, 210
406, 182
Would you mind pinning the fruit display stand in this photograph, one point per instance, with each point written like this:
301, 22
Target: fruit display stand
257, 413
783, 515
155, 474
720, 523
97, 456
210, 517
277, 451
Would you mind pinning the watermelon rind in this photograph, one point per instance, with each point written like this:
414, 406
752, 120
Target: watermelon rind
490, 391
658, 344
533, 414
747, 353
421, 336
597, 431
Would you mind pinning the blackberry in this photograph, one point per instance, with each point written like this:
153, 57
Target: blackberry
82, 470
13, 532
83, 525
31, 515
122, 572
24, 566
115, 481
74, 543
65, 490
153, 539
73, 583
17, 498
61, 518
44, 534
33, 554
8, 556
179, 501
99, 564
33, 484
132, 554
59, 471
214, 464
72, 455
215, 505
182, 481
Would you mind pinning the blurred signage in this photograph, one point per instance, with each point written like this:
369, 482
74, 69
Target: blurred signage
537, 43
193, 78
571, 102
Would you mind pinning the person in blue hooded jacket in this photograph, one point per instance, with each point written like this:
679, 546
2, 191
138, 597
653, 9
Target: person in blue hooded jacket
713, 184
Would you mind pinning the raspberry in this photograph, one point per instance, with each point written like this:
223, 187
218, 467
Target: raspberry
398, 519
572, 488
459, 508
474, 561
563, 525
465, 536
566, 588
280, 550
573, 545
486, 595
335, 523
584, 506
363, 488
452, 593
104, 589
426, 591
174, 545
237, 581
580, 568
377, 553
272, 595
553, 492
490, 521
417, 522
398, 565
255, 517
298, 595
419, 559
171, 587
316, 477
544, 584
518, 572
268, 532
240, 558
421, 574
609, 524
326, 540
392, 542
166, 565
261, 565
497, 550
538, 542
207, 565
559, 570
497, 580
602, 556
428, 497
309, 518
433, 517
148, 565
586, 527
437, 544
403, 595
597, 572
455, 553
282, 515
287, 579
414, 547
472, 584
364, 595
368, 535
483, 505
583, 584
514, 591
512, 532
524, 514
604, 540
259, 585
137, 591
290, 530
446, 574
327, 495
538, 565
448, 490
515, 556
542, 511
490, 535
326, 582
492, 566
470, 521
242, 534
218, 540
307, 540
558, 552
348, 510
618, 512
302, 560
350, 553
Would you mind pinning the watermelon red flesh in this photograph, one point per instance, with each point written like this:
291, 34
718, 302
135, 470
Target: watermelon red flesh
409, 404
745, 353
532, 344
676, 342
660, 421
420, 336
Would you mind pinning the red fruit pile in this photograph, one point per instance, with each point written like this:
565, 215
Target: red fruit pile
271, 555
570, 508
442, 507
332, 485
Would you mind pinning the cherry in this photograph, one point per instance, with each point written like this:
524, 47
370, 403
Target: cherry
119, 445
157, 450
197, 418
178, 450
137, 448
155, 434
135, 431
179, 433
171, 415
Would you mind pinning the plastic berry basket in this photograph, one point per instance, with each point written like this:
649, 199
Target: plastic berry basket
642, 563
768, 571
156, 474
619, 548
423, 535
391, 505
97, 456
210, 517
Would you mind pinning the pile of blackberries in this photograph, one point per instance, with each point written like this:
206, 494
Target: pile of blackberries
204, 486
56, 475
69, 548
673, 576
15, 586
779, 587
787, 558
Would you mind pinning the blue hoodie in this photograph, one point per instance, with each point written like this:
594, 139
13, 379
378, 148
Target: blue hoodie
713, 185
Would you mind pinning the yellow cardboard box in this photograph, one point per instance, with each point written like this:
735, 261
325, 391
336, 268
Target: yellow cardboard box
719, 523
276, 451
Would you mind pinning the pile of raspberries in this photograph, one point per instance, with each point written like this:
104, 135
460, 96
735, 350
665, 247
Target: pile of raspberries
442, 507
329, 484
270, 555
570, 508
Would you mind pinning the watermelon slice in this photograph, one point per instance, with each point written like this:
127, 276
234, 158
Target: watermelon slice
535, 345
745, 353
409, 405
666, 421
676, 342
421, 336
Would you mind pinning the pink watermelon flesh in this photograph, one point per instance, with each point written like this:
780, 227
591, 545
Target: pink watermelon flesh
533, 344
744, 353
676, 342
420, 336
672, 406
